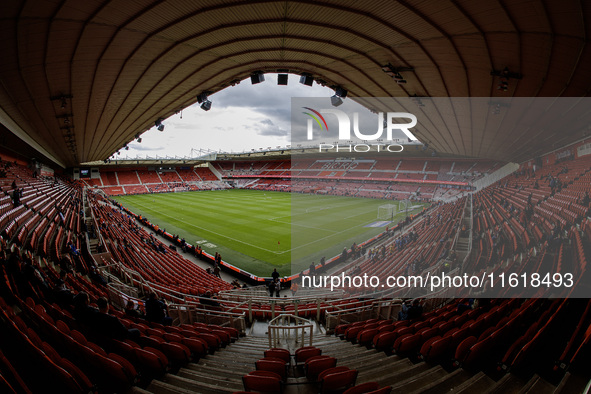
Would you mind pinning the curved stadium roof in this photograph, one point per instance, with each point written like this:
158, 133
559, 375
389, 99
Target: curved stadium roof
78, 79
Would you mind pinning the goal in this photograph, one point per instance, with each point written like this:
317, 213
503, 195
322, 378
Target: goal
387, 212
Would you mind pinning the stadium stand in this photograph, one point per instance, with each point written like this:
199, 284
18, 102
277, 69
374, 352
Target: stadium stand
96, 299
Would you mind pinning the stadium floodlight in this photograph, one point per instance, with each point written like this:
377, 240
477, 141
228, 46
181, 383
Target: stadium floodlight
257, 77
341, 92
159, 125
336, 101
306, 79
201, 97
206, 105
282, 79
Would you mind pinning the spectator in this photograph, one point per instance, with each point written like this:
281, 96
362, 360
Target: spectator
271, 288
83, 312
109, 325
275, 274
156, 310
132, 311
216, 270
207, 299
277, 287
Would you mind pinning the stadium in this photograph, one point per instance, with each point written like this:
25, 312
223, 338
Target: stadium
445, 254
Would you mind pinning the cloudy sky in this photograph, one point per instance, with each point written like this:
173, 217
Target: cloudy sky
242, 118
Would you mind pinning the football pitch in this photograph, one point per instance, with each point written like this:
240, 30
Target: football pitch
260, 230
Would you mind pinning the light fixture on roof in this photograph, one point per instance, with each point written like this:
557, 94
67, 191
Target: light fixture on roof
336, 101
339, 94
282, 79
257, 77
417, 100
159, 125
505, 75
306, 79
206, 105
204, 101
394, 72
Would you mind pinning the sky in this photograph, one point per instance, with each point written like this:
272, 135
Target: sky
242, 118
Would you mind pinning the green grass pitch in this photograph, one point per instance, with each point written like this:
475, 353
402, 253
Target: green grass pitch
257, 230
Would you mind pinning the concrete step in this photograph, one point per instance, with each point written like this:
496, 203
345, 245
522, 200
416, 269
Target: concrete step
508, 384
571, 384
416, 381
445, 383
220, 379
391, 373
537, 385
477, 384
159, 387
195, 386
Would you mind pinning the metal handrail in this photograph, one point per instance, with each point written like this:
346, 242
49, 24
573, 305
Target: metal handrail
282, 325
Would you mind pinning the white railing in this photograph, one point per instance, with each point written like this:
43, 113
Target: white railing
287, 328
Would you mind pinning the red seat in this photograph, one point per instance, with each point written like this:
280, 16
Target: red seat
278, 353
150, 364
384, 341
464, 347
197, 346
273, 365
314, 366
170, 337
351, 333
262, 382
365, 337
407, 343
302, 354
363, 388
176, 352
213, 342
336, 381
223, 336
435, 347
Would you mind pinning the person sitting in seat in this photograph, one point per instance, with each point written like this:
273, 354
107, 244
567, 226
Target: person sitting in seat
156, 310
109, 325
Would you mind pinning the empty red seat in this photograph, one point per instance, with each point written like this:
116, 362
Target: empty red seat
315, 365
273, 365
407, 343
335, 380
262, 382
302, 354
384, 341
197, 346
463, 348
365, 337
176, 352
278, 353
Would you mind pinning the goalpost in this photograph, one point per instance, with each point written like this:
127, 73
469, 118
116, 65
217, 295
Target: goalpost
387, 211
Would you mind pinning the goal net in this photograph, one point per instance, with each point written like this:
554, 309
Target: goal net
387, 212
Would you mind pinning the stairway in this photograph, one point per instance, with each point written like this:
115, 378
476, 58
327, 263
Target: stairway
463, 246
221, 373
